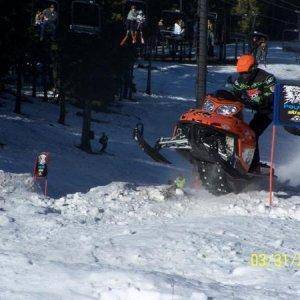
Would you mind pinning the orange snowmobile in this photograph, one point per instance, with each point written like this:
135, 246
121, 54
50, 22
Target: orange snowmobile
215, 138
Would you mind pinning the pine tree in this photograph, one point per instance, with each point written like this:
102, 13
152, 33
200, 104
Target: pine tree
248, 11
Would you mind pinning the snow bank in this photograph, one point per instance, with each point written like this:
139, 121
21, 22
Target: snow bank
123, 241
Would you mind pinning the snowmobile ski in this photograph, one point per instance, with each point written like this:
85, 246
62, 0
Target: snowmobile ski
153, 152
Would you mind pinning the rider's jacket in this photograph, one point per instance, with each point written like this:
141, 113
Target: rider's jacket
256, 90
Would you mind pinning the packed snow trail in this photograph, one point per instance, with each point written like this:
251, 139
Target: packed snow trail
113, 229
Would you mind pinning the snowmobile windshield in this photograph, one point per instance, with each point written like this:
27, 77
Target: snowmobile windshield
224, 94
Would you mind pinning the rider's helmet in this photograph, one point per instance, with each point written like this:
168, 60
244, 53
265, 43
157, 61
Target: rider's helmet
246, 63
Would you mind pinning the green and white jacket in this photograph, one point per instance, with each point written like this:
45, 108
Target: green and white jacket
256, 91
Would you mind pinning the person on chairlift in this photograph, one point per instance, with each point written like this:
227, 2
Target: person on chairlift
131, 25
178, 28
39, 19
141, 19
49, 21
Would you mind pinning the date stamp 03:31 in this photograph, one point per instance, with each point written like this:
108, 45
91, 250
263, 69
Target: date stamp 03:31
278, 260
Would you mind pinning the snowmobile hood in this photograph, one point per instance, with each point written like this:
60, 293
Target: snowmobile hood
217, 105
222, 113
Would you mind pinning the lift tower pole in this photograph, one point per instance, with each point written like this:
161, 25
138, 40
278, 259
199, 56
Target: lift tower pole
202, 51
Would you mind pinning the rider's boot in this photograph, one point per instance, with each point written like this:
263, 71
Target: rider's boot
133, 37
124, 41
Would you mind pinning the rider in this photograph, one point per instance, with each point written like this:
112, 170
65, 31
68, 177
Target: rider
256, 88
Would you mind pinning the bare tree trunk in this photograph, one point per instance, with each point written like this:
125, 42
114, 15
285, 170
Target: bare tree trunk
45, 83
17, 109
148, 89
34, 79
86, 127
62, 108
202, 52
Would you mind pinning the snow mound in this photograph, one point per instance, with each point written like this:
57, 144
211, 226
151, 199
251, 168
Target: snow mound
124, 203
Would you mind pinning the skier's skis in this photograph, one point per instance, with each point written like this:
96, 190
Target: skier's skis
149, 150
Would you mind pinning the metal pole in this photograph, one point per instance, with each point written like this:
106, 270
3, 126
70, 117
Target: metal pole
254, 15
148, 89
181, 6
202, 52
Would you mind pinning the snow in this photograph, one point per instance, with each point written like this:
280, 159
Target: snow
113, 229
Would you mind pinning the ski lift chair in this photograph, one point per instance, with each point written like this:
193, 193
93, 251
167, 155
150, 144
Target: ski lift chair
174, 43
126, 7
43, 4
85, 17
169, 18
259, 35
139, 4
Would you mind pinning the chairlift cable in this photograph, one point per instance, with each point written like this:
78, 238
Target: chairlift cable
291, 4
263, 15
278, 5
265, 1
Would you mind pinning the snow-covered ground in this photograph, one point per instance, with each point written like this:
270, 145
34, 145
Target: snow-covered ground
111, 228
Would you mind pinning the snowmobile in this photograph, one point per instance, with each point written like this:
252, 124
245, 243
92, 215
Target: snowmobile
216, 139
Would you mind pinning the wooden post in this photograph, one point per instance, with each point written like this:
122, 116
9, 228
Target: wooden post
130, 95
18, 101
86, 126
